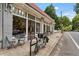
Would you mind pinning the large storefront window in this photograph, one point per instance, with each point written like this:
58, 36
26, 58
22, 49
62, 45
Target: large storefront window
31, 27
37, 27
19, 25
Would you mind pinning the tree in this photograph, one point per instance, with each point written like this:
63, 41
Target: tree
66, 21
66, 24
75, 23
59, 23
50, 10
76, 8
67, 28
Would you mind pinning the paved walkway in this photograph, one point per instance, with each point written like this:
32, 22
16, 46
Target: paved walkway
24, 49
50, 45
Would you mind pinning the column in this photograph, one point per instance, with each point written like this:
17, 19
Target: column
0, 22
35, 25
27, 27
7, 21
41, 27
45, 28
51, 27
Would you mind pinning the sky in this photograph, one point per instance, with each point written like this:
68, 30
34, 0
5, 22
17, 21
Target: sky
66, 8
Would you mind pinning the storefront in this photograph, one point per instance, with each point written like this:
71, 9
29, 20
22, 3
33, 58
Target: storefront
23, 19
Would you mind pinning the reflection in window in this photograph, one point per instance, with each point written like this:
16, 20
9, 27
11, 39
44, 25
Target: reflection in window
37, 27
31, 27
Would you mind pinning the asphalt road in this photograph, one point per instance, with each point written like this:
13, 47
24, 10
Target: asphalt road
68, 45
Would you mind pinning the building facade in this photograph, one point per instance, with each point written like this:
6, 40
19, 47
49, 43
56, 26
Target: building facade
31, 18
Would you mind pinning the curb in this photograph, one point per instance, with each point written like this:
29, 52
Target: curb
55, 45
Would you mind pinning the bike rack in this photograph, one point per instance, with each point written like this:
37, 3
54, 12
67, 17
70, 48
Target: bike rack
32, 44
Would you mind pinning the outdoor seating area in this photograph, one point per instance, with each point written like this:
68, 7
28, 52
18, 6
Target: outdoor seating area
24, 50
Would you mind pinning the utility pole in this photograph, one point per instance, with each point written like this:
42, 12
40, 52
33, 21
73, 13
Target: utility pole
61, 20
61, 14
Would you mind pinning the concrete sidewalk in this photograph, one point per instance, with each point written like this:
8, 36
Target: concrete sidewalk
53, 40
24, 49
